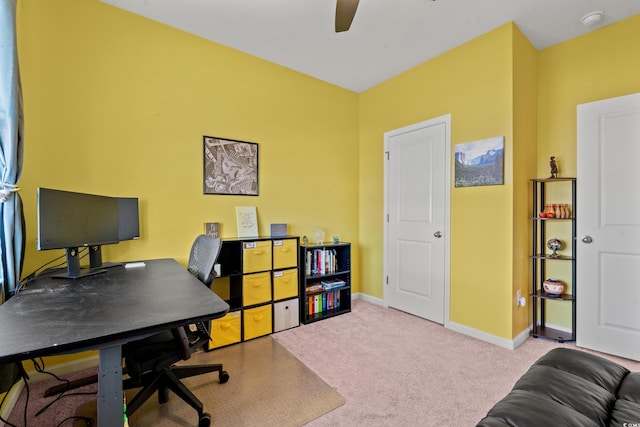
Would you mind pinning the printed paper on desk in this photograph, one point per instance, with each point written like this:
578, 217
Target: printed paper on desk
247, 221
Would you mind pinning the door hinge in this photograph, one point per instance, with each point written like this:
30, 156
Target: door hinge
387, 153
387, 280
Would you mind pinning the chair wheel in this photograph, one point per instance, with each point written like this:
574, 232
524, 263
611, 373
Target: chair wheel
163, 395
223, 377
205, 420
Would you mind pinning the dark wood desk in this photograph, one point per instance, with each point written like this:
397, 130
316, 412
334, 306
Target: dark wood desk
55, 316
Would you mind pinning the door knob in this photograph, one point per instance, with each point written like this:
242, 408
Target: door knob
437, 234
587, 239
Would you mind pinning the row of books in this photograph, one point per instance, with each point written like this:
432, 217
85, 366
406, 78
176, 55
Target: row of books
320, 303
321, 261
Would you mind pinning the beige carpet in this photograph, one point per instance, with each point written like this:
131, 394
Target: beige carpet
268, 386
395, 369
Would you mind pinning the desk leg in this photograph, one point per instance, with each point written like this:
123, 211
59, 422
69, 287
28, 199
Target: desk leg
110, 398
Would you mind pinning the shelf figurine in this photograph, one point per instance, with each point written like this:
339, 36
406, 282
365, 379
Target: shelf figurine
555, 245
554, 167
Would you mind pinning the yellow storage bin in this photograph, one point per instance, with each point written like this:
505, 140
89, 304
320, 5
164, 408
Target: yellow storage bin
256, 256
285, 253
256, 288
225, 330
257, 321
285, 284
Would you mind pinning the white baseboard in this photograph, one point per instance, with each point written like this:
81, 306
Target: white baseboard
521, 338
12, 399
465, 330
367, 298
492, 339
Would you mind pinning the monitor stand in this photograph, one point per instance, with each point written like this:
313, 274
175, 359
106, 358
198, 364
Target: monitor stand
95, 259
73, 267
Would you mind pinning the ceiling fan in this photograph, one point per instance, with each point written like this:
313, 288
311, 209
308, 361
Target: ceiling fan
345, 11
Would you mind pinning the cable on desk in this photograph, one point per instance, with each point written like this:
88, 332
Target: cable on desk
34, 274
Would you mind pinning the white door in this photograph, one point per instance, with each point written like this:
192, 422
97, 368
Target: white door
608, 226
417, 167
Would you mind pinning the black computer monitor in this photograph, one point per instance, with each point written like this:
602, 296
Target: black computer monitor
69, 220
128, 218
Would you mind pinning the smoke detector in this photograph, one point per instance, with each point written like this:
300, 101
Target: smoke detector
592, 18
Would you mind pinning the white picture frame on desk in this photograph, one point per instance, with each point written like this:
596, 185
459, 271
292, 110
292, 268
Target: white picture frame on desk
247, 221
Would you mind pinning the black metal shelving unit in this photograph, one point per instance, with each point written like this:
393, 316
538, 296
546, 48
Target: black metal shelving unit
540, 258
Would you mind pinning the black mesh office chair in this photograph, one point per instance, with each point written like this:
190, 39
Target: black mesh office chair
150, 362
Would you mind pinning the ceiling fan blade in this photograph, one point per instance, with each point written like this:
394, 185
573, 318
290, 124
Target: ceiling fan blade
345, 11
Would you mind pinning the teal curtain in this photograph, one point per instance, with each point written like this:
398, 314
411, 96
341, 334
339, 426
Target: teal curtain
11, 143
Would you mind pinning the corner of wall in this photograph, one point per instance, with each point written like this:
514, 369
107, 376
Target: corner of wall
524, 168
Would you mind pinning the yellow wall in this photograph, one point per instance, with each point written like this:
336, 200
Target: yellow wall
494, 85
524, 161
602, 64
117, 104
599, 65
474, 83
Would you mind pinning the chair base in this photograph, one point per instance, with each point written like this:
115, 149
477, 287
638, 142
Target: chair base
169, 380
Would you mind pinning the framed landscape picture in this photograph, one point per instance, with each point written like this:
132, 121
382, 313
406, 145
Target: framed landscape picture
480, 163
230, 167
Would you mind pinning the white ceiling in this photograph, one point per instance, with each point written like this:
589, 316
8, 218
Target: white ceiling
386, 38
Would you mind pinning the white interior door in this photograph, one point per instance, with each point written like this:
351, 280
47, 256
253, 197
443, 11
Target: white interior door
417, 165
608, 226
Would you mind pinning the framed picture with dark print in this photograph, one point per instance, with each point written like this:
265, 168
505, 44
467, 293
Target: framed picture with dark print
230, 167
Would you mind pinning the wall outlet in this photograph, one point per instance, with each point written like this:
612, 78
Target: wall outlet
520, 300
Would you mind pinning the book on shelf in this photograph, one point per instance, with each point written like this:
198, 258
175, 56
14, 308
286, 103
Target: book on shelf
315, 288
307, 264
321, 303
321, 262
332, 283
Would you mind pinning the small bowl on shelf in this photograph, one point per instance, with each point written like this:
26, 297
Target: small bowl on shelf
553, 287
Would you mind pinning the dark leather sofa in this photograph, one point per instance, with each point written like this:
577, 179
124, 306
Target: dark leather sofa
568, 387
